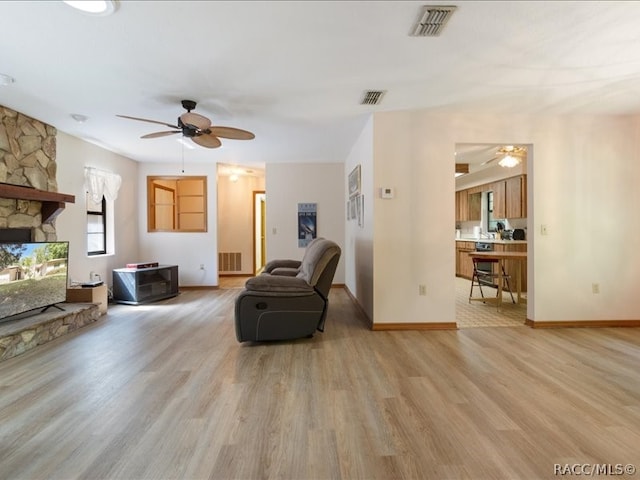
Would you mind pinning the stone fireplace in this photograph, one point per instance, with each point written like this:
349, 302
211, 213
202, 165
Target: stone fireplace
27, 159
29, 204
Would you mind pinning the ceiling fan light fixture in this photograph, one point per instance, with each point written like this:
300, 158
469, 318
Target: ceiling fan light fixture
197, 128
509, 161
94, 7
512, 155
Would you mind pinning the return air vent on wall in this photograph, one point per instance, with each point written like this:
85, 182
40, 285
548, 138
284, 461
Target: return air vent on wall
372, 97
432, 20
230, 261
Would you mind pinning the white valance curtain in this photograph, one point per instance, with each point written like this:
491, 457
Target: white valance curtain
101, 183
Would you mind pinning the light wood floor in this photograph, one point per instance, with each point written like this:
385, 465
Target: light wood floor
165, 392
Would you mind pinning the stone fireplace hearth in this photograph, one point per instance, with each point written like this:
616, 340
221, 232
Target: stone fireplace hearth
23, 334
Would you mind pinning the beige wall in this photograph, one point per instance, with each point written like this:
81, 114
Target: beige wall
582, 185
186, 249
359, 276
287, 185
73, 155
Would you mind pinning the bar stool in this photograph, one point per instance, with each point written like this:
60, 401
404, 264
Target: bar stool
479, 275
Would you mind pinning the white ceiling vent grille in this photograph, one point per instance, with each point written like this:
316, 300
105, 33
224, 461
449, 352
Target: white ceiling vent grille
432, 20
372, 97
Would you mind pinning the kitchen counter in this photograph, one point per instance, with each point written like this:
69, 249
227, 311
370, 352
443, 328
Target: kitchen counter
493, 240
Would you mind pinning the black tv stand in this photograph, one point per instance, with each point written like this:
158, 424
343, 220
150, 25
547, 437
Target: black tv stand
136, 286
53, 305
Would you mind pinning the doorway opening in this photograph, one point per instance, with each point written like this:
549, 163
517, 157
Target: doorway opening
240, 215
260, 230
492, 202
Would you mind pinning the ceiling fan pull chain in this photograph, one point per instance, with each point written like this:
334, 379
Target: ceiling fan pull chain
182, 156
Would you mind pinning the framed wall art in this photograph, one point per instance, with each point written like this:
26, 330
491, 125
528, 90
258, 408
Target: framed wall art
307, 223
354, 182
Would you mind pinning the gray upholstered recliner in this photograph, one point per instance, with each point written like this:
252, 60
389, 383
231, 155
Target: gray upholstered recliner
290, 298
289, 268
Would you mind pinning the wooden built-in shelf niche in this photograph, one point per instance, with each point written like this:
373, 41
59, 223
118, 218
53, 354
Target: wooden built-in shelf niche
52, 202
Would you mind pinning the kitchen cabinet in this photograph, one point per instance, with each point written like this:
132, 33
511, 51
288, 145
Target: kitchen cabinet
462, 206
516, 197
474, 201
468, 205
509, 200
499, 199
464, 265
510, 197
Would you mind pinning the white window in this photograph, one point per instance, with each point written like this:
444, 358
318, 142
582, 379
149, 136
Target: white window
96, 226
102, 190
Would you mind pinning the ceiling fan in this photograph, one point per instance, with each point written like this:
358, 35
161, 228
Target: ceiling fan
508, 152
196, 127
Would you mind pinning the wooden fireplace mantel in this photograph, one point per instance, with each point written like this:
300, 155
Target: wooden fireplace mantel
52, 202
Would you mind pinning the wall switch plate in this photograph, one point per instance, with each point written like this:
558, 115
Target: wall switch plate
544, 230
422, 289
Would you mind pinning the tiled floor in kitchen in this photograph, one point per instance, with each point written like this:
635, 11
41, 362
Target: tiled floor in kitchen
478, 314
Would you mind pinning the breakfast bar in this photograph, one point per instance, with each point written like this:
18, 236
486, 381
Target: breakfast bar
501, 257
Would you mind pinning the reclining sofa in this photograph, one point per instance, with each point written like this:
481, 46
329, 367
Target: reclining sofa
289, 299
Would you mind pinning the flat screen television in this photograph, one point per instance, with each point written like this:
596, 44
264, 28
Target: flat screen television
33, 275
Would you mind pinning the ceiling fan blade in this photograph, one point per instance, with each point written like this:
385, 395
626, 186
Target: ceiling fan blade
489, 161
232, 133
196, 120
207, 140
159, 134
149, 121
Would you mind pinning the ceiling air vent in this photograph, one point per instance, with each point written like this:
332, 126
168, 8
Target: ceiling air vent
432, 20
372, 97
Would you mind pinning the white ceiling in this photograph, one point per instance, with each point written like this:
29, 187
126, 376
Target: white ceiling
294, 72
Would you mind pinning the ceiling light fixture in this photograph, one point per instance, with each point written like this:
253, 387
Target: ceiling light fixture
512, 156
6, 79
94, 7
79, 118
509, 161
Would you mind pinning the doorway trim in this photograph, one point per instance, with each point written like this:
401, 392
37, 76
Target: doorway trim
259, 230
476, 157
